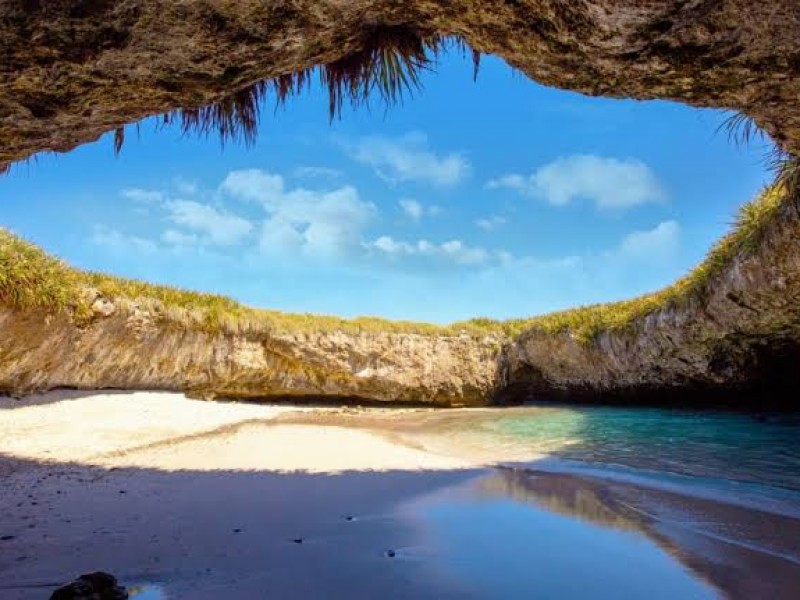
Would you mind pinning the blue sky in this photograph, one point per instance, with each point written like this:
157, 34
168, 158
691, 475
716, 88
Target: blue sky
499, 198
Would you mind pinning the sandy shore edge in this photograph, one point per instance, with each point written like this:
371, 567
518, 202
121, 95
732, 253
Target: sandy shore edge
168, 431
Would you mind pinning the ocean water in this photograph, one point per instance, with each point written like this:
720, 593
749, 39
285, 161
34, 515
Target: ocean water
583, 503
610, 502
759, 453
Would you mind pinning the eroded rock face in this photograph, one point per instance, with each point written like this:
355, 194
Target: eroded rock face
71, 70
740, 339
126, 349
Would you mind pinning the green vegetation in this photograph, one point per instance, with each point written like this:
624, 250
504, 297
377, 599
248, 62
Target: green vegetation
32, 279
587, 322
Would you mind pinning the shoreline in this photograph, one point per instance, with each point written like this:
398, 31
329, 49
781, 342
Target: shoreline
171, 432
191, 498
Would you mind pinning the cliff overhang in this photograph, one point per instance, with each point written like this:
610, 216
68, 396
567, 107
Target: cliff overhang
71, 70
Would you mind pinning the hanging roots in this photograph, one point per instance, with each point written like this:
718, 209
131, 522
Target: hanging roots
389, 63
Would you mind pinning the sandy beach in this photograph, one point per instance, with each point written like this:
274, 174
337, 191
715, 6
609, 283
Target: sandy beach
131, 482
170, 432
182, 498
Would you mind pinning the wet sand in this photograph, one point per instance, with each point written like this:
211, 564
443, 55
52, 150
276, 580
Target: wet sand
189, 499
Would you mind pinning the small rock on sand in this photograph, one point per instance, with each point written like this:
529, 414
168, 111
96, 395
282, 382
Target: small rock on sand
91, 586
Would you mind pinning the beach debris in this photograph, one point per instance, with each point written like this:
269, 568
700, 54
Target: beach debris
237, 530
391, 553
5, 538
298, 540
349, 518
92, 586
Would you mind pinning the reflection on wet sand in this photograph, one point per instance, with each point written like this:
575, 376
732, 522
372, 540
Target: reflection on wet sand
731, 547
187, 499
146, 592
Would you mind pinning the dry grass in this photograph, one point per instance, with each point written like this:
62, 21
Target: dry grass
32, 279
586, 322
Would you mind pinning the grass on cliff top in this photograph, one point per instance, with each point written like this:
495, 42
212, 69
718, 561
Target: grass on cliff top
32, 279
587, 322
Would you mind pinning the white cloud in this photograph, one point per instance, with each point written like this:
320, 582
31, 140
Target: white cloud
312, 172
416, 210
143, 196
217, 227
491, 222
610, 183
653, 245
185, 186
324, 224
454, 251
295, 222
253, 184
412, 208
123, 243
314, 223
174, 237
408, 158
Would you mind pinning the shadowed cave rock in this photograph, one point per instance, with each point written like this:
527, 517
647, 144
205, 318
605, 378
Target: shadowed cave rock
72, 70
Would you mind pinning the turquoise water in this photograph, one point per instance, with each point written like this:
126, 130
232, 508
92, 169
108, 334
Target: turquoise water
703, 444
712, 509
733, 453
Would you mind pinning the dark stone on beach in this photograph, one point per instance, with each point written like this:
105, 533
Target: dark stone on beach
237, 530
391, 553
92, 586
350, 518
5, 538
298, 540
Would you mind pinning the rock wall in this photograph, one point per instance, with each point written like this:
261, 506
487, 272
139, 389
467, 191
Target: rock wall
126, 349
740, 339
737, 339
71, 70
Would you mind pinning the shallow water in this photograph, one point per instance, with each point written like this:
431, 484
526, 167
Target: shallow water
147, 592
498, 545
754, 452
587, 502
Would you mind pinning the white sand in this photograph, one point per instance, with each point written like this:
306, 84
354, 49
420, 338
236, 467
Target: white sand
204, 499
170, 432
207, 500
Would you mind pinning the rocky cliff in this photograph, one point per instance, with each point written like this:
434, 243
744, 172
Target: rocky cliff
126, 347
71, 70
737, 337
734, 335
